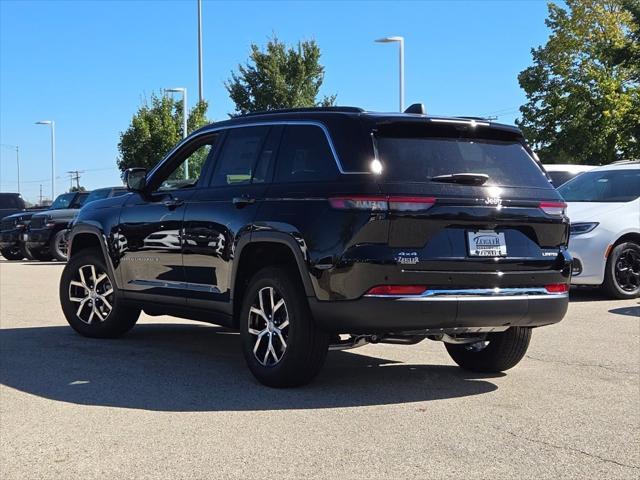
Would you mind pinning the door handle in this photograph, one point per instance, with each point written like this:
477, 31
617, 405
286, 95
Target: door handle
173, 202
240, 202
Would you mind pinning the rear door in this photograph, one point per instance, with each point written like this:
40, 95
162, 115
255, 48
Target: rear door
480, 201
219, 214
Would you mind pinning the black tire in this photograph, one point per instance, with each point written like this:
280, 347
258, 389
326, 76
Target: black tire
41, 255
28, 254
306, 346
503, 351
619, 283
92, 319
58, 245
14, 253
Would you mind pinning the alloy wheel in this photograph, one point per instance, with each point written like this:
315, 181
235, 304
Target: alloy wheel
627, 270
92, 290
62, 245
269, 325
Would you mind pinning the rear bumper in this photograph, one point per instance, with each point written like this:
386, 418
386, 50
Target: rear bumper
446, 310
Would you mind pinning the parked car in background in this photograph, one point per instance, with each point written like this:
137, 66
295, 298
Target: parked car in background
11, 203
562, 173
604, 208
47, 233
328, 228
12, 230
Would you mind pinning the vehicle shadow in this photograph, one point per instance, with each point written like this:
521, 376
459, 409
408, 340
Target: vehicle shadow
200, 368
586, 294
630, 311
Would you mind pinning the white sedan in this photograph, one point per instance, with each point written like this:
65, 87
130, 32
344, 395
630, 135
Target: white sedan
604, 209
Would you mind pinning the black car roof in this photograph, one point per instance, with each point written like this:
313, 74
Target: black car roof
350, 128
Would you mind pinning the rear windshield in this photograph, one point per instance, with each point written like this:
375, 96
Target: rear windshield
418, 159
11, 200
603, 186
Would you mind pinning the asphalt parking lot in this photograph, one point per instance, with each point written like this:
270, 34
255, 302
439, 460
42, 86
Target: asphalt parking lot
173, 399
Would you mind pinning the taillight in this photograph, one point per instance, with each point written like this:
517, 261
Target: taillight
553, 208
383, 203
557, 288
397, 290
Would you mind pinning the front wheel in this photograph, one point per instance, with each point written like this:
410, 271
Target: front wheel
91, 303
59, 245
498, 352
281, 344
14, 253
622, 275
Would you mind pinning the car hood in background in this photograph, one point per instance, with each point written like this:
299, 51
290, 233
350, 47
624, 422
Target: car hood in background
62, 214
592, 211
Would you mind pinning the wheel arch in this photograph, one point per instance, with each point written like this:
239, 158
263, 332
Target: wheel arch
263, 249
83, 237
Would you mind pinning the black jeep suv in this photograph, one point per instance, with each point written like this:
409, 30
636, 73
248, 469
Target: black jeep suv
318, 229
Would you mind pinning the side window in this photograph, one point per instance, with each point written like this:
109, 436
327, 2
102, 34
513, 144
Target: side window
187, 173
264, 166
238, 157
305, 155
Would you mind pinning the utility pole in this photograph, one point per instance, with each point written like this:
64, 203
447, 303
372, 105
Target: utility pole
75, 175
40, 202
200, 92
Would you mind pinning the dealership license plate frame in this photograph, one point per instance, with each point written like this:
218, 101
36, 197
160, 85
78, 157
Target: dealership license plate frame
486, 243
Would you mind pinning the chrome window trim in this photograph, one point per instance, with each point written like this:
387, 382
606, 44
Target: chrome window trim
215, 129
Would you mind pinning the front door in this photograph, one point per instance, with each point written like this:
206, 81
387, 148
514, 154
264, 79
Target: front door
150, 231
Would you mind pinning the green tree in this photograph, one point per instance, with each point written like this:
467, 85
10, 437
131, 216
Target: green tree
279, 77
155, 129
583, 90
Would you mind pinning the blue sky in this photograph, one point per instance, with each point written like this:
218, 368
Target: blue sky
87, 65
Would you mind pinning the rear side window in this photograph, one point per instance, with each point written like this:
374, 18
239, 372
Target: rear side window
238, 156
418, 159
97, 195
305, 155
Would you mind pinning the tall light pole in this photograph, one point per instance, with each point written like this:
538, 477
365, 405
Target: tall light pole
52, 124
400, 41
17, 160
184, 120
200, 92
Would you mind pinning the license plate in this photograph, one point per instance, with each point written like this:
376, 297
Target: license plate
487, 243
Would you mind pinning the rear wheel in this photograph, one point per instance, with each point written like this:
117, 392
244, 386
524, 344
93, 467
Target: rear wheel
622, 275
91, 303
281, 344
13, 253
498, 352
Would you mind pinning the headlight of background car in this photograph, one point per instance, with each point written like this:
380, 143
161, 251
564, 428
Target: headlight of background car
580, 228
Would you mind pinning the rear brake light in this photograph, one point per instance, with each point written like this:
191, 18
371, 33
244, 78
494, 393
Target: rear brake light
397, 290
383, 203
557, 288
553, 208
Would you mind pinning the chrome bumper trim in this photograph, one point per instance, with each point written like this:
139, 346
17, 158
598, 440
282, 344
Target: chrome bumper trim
463, 294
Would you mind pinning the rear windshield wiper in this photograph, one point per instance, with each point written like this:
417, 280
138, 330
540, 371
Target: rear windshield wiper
462, 178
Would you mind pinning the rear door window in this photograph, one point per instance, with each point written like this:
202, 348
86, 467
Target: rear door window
418, 159
305, 155
237, 160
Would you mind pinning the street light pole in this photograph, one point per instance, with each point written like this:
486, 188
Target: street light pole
52, 125
18, 165
184, 120
200, 92
400, 41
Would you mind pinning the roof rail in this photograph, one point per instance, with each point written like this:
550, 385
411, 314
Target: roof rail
483, 119
307, 109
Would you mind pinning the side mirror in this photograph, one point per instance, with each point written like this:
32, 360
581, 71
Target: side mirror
135, 179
